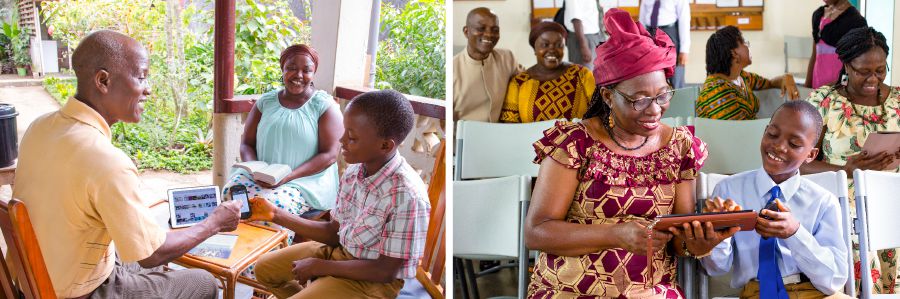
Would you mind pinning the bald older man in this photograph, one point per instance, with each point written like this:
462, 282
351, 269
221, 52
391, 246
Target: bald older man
95, 231
481, 73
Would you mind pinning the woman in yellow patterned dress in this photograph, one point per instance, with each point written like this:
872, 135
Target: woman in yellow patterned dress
727, 92
856, 106
603, 179
552, 88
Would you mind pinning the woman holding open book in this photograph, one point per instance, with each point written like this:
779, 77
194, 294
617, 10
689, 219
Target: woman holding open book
858, 105
290, 141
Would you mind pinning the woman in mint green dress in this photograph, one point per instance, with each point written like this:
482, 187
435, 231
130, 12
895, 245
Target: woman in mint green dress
298, 126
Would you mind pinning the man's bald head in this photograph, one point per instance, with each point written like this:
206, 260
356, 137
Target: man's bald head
482, 32
104, 49
482, 12
112, 70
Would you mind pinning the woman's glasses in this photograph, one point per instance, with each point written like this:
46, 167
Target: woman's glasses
880, 74
644, 102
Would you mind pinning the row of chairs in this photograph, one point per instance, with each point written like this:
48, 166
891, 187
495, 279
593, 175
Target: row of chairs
494, 174
684, 101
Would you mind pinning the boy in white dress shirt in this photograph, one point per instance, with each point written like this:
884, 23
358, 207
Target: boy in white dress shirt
797, 250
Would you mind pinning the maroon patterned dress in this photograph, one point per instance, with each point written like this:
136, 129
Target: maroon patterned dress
614, 188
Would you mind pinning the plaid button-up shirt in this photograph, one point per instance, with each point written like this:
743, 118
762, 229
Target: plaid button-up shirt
384, 214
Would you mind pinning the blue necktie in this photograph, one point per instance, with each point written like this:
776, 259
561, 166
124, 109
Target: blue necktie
769, 276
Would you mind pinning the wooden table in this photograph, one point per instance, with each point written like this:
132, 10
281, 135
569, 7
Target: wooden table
253, 241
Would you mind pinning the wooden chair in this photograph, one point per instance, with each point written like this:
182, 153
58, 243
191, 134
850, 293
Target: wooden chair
24, 257
431, 269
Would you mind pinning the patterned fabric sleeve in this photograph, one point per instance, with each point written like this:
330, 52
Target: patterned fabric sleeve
510, 111
756, 82
406, 227
717, 100
818, 99
586, 81
695, 155
562, 144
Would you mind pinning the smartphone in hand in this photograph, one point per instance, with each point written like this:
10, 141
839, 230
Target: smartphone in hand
771, 207
239, 192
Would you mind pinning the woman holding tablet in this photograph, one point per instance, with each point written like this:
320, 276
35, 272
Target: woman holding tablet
602, 179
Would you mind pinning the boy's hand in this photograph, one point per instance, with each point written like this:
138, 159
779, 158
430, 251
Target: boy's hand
715, 205
306, 270
261, 209
782, 226
632, 236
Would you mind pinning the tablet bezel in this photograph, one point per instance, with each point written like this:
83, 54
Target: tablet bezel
171, 194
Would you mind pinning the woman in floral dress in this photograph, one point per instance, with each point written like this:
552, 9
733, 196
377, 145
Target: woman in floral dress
857, 105
603, 179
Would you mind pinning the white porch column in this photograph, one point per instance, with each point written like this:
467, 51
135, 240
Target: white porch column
340, 28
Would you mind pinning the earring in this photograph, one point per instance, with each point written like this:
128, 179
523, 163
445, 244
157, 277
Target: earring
612, 123
844, 80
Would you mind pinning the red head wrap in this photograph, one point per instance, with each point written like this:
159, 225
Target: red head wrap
630, 51
299, 49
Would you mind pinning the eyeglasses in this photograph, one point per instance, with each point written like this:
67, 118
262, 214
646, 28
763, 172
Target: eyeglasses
644, 102
746, 43
878, 74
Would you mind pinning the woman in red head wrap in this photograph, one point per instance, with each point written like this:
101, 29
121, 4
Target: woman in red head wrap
552, 88
297, 126
603, 179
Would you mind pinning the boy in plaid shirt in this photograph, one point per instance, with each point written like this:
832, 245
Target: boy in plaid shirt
377, 233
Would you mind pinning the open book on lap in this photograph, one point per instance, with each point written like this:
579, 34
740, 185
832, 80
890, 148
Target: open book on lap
265, 172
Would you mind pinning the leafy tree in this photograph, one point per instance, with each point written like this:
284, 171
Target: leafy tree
411, 58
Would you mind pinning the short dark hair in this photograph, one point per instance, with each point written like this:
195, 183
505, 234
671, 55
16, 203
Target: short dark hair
808, 110
388, 110
719, 47
857, 42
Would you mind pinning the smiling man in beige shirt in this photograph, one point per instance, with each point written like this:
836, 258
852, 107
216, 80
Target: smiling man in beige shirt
82, 192
481, 73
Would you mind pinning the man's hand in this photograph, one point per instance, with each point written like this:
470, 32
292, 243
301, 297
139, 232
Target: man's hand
682, 59
715, 205
306, 269
261, 209
226, 216
783, 224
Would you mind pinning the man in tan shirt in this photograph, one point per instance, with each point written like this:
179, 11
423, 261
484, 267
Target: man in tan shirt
482, 72
82, 192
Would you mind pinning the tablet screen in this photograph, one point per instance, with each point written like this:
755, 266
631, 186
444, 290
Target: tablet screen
192, 205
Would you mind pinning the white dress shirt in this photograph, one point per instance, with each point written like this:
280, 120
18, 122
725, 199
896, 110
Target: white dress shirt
817, 248
669, 12
587, 12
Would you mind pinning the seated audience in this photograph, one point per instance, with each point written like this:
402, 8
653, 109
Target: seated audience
297, 126
552, 88
602, 179
854, 107
795, 251
82, 193
481, 72
377, 233
727, 92
829, 23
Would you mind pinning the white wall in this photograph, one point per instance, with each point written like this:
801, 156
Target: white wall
780, 18
514, 16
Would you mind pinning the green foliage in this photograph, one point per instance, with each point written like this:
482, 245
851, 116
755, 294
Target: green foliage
411, 58
174, 133
17, 40
60, 89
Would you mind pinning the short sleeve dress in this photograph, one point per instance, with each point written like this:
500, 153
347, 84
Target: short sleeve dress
614, 188
847, 126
